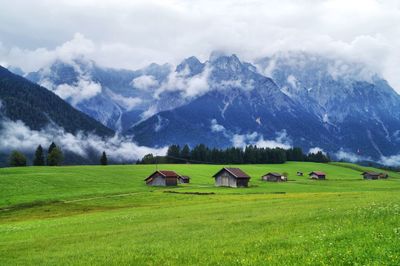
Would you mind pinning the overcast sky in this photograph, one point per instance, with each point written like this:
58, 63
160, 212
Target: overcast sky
133, 33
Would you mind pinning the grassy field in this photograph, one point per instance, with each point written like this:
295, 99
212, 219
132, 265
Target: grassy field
107, 215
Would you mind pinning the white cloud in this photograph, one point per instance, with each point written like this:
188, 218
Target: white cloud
82, 90
152, 110
393, 160
128, 103
188, 86
316, 149
281, 140
350, 156
366, 30
144, 82
16, 135
292, 81
215, 127
32, 60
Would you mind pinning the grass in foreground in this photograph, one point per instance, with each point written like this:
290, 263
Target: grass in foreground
106, 215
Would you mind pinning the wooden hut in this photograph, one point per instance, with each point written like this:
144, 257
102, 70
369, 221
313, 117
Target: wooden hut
374, 175
370, 175
183, 179
384, 175
231, 177
162, 178
273, 177
317, 175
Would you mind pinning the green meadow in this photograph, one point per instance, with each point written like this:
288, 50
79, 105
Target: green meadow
106, 215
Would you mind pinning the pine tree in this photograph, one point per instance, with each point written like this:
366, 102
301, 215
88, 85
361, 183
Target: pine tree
148, 159
185, 152
103, 159
39, 156
51, 147
173, 154
17, 159
55, 157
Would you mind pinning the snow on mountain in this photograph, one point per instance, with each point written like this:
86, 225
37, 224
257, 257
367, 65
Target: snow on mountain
354, 103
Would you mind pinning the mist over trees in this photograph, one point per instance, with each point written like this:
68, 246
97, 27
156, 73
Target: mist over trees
249, 155
54, 157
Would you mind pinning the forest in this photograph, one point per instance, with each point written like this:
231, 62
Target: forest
233, 155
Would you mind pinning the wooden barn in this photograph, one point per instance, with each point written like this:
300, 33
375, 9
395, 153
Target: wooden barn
273, 177
317, 175
183, 179
231, 177
162, 178
374, 175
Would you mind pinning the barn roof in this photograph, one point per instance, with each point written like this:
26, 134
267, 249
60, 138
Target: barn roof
164, 173
236, 172
317, 173
274, 174
371, 173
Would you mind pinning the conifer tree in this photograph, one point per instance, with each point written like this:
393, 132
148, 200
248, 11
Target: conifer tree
17, 159
39, 156
51, 147
55, 157
103, 159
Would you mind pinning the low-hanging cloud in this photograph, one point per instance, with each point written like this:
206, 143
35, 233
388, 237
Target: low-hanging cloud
215, 127
316, 150
17, 136
350, 156
281, 140
393, 160
82, 90
145, 82
189, 87
128, 103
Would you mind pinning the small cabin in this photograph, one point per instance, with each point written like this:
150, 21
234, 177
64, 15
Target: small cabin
374, 175
182, 179
384, 176
274, 177
231, 177
317, 175
299, 173
162, 178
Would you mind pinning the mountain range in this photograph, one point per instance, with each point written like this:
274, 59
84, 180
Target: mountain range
288, 99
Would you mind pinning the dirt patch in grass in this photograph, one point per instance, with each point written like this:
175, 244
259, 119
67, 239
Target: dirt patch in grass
190, 193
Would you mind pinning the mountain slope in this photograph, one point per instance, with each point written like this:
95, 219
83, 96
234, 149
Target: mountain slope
117, 98
307, 103
353, 103
239, 105
37, 107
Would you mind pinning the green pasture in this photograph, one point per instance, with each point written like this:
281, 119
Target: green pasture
85, 215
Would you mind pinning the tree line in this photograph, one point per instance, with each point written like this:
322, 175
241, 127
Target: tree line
53, 157
249, 155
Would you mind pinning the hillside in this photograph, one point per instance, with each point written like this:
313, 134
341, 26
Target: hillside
37, 107
63, 211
